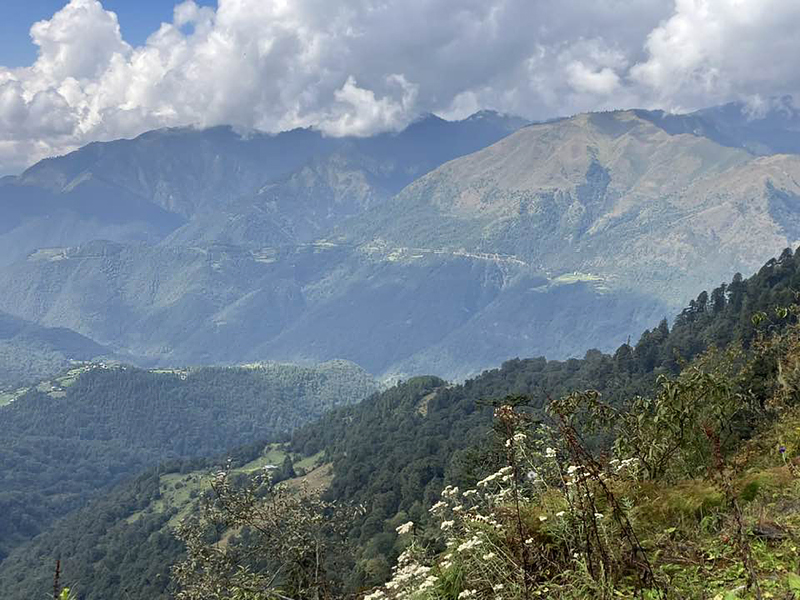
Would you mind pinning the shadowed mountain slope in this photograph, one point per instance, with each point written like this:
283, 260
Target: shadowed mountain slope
144, 188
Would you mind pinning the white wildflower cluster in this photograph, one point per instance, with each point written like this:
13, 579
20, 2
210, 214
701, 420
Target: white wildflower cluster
405, 528
408, 574
576, 474
549, 452
469, 544
408, 578
447, 525
502, 494
518, 438
450, 492
495, 476
490, 521
465, 594
627, 466
438, 507
428, 583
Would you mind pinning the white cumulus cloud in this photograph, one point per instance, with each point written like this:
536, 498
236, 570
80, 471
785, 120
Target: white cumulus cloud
356, 67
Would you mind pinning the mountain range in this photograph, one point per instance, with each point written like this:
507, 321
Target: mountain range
445, 248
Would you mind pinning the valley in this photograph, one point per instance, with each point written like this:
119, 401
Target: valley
384, 300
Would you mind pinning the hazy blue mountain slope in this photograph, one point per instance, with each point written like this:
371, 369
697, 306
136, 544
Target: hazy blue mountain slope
372, 305
30, 352
357, 174
35, 217
153, 299
300, 207
771, 129
182, 170
456, 315
559, 320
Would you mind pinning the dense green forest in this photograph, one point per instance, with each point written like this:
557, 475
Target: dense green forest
393, 453
62, 442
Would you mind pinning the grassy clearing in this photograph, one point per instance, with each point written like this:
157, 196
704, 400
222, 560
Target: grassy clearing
182, 492
316, 480
310, 462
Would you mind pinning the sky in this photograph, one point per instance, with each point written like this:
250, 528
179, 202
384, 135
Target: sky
77, 71
137, 19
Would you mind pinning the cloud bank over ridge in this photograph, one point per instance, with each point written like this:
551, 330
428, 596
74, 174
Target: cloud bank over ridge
356, 67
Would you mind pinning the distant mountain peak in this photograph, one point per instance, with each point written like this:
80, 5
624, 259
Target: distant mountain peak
485, 113
426, 117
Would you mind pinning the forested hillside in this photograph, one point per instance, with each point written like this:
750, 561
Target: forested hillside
396, 451
393, 453
62, 442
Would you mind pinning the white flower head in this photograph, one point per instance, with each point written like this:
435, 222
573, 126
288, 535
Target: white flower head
405, 528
